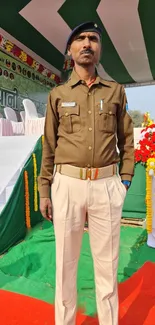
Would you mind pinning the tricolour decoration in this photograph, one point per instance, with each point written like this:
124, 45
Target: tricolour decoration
15, 51
35, 182
27, 200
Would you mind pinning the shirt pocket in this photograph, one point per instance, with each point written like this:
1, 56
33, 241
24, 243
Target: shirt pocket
69, 118
107, 118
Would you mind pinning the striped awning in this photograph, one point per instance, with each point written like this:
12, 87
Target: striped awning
41, 27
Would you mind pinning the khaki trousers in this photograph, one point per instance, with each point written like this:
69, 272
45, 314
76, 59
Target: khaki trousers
103, 200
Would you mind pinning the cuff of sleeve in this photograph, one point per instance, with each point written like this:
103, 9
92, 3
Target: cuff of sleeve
125, 177
45, 191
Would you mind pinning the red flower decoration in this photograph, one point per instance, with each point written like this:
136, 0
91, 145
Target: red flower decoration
146, 147
49, 74
16, 51
56, 79
29, 60
41, 68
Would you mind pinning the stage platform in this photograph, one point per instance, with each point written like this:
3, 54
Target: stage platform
14, 152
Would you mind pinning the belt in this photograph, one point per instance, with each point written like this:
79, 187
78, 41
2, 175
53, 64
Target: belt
86, 173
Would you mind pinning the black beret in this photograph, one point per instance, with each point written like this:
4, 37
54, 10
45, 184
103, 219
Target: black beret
89, 26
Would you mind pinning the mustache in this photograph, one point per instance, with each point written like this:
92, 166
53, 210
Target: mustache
87, 51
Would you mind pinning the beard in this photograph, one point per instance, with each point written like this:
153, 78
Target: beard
86, 58
85, 64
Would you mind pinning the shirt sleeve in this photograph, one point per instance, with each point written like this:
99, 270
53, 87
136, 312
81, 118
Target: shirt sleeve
49, 146
125, 137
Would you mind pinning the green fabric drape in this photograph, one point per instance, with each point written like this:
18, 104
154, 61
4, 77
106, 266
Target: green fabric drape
134, 205
12, 219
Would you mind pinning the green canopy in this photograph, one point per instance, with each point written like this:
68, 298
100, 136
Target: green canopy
41, 29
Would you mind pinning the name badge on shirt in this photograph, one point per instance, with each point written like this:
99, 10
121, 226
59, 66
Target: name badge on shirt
68, 104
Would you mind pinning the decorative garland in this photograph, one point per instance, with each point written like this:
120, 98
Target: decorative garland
35, 182
27, 200
42, 141
150, 172
68, 64
145, 154
14, 50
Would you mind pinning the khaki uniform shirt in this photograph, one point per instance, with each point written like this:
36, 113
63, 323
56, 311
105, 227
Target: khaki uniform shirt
82, 127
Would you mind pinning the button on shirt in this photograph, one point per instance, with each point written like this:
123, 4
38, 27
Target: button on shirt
83, 130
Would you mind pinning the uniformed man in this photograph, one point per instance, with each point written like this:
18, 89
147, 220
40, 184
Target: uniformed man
86, 118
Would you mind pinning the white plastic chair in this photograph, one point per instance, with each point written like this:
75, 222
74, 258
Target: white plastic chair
22, 115
10, 114
30, 109
18, 127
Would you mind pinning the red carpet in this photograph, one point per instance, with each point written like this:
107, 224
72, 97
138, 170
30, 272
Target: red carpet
137, 304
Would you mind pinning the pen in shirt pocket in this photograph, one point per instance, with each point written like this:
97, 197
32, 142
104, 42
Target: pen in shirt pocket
101, 105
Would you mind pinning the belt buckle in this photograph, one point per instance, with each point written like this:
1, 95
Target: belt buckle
89, 174
94, 173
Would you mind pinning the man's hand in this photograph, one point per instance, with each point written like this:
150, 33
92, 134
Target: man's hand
126, 187
126, 184
46, 208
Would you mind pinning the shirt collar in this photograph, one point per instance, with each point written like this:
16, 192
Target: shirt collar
99, 80
75, 79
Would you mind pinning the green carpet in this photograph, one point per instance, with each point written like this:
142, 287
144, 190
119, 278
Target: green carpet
29, 267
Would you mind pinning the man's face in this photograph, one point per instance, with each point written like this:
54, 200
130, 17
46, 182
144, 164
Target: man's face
85, 49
